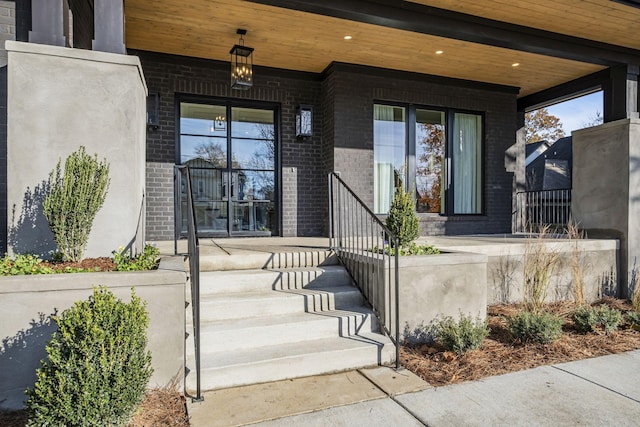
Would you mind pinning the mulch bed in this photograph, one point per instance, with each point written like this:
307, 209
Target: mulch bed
93, 264
500, 354
160, 407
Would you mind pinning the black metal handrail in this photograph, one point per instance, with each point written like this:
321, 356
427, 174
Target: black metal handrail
361, 241
535, 209
183, 172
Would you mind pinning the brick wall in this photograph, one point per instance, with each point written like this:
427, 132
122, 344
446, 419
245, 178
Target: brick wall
343, 99
7, 27
302, 175
159, 196
354, 91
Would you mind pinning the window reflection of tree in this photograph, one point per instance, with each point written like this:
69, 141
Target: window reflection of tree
262, 161
430, 155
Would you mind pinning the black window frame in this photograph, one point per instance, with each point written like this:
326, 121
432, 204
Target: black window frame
230, 103
410, 152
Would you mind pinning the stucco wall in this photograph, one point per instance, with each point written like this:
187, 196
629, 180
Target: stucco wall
28, 303
597, 259
606, 187
59, 99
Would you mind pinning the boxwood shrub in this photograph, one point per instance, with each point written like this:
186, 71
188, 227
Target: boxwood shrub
98, 366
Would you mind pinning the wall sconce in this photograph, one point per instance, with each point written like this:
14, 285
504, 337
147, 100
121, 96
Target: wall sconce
241, 64
304, 121
153, 120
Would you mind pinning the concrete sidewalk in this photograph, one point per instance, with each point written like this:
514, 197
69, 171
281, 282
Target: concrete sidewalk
603, 391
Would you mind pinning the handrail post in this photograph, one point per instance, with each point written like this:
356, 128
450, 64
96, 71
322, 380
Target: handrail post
352, 246
193, 248
397, 299
330, 192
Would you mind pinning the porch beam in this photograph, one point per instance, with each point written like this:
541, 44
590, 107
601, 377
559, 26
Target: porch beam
48, 22
455, 25
621, 93
580, 86
109, 26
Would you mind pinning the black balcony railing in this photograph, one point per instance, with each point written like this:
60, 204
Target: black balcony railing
545, 208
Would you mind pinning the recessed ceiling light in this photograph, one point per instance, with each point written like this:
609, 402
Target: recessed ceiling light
515, 64
439, 52
348, 37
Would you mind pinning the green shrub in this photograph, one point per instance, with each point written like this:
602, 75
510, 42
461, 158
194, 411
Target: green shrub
590, 319
402, 220
528, 326
146, 260
633, 317
462, 335
23, 264
98, 366
411, 249
73, 199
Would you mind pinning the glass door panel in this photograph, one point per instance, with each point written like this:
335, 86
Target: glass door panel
253, 161
233, 164
389, 140
430, 155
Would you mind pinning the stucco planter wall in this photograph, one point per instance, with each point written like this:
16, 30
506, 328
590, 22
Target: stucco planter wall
466, 282
27, 303
430, 286
599, 260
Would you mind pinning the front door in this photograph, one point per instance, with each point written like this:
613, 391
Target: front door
231, 149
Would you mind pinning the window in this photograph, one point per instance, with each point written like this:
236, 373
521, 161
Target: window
437, 153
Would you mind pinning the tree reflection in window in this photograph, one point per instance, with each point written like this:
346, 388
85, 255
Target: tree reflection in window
430, 151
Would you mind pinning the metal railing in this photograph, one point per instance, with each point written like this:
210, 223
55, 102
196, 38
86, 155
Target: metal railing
536, 209
361, 241
184, 173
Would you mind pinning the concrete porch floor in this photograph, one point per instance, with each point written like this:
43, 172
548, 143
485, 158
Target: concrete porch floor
263, 247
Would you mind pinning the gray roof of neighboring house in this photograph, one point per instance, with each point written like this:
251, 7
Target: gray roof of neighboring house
551, 169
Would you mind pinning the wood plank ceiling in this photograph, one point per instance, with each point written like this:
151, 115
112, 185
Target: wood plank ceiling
295, 40
616, 23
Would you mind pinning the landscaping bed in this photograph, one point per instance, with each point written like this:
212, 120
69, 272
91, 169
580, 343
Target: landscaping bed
500, 353
160, 407
87, 264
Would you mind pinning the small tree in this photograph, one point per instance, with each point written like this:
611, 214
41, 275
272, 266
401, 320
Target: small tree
540, 125
98, 366
73, 199
402, 220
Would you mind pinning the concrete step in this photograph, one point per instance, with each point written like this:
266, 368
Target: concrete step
217, 282
241, 334
249, 260
327, 299
237, 305
237, 281
272, 363
312, 277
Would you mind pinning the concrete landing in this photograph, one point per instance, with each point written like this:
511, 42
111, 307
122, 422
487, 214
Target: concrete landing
604, 391
277, 400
